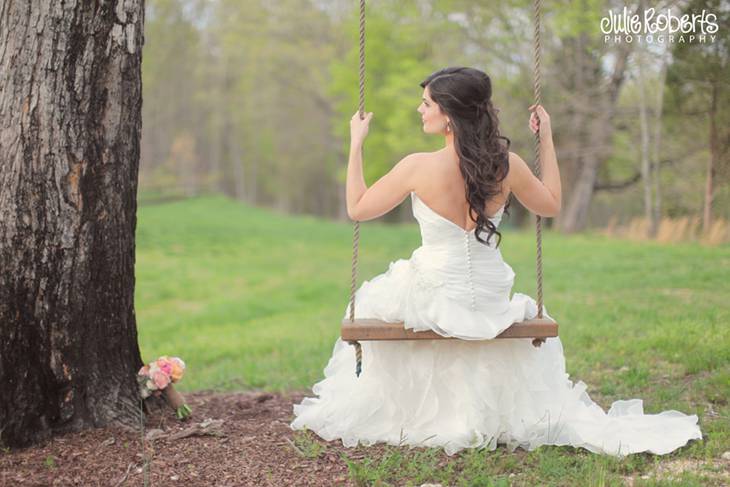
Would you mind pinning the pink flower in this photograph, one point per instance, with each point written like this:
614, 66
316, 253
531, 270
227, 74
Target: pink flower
144, 370
160, 379
164, 364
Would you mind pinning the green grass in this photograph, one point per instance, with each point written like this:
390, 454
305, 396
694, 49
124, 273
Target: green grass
250, 298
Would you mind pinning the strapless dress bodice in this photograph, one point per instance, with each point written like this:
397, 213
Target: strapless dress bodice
452, 258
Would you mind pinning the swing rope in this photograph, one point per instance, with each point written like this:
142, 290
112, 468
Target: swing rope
538, 219
356, 232
361, 110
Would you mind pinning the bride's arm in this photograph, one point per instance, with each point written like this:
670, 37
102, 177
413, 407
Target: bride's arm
542, 197
386, 193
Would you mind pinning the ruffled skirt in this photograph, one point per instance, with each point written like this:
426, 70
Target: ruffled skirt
457, 394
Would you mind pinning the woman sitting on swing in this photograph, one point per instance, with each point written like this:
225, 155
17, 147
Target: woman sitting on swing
472, 392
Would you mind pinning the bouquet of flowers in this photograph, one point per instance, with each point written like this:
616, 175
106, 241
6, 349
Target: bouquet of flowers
157, 378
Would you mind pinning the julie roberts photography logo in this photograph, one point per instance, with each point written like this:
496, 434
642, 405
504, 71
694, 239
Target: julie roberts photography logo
664, 26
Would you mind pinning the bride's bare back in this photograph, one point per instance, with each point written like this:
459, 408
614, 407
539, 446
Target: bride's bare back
440, 186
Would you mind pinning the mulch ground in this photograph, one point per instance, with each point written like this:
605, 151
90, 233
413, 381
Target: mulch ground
232, 439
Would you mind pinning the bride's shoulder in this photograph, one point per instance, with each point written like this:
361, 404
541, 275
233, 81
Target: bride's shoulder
423, 156
419, 160
436, 158
516, 166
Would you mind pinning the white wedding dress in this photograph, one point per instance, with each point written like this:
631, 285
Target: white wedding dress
473, 392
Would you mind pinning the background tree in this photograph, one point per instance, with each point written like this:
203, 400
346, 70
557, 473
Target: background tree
70, 105
252, 99
699, 87
171, 77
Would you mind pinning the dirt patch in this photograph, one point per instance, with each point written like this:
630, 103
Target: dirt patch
233, 439
249, 444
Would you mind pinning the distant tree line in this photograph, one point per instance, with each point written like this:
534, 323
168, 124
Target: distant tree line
253, 99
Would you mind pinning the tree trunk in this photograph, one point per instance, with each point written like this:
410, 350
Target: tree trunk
599, 132
228, 180
711, 162
656, 146
70, 105
238, 171
644, 126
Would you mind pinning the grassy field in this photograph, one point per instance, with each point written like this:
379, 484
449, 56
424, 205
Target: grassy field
252, 299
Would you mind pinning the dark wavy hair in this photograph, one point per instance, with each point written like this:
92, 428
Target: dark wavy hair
465, 96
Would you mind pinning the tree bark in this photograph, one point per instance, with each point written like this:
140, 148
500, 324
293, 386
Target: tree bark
70, 126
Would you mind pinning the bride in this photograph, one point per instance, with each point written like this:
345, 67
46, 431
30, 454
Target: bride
474, 392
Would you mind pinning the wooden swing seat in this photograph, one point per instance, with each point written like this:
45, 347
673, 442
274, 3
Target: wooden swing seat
369, 329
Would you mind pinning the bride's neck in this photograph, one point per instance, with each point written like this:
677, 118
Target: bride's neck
449, 147
449, 138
